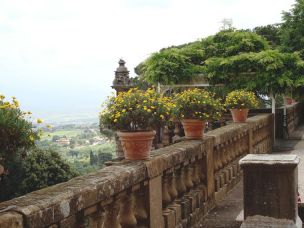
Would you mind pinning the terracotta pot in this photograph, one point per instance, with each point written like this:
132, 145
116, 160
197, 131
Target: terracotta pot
194, 128
239, 115
136, 145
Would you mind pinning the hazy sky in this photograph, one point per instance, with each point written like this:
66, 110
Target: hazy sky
59, 56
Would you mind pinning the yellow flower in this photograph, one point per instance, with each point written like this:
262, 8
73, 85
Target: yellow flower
39, 121
32, 138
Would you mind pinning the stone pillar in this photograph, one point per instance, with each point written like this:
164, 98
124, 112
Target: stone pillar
121, 83
270, 187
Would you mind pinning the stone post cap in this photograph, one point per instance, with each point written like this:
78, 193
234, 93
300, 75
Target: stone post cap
270, 159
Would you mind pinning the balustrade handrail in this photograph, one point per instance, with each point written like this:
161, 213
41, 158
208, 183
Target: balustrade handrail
126, 182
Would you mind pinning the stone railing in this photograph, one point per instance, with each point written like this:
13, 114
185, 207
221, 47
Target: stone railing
294, 117
177, 186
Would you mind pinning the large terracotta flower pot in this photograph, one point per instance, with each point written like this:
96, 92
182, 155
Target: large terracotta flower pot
194, 128
136, 145
239, 115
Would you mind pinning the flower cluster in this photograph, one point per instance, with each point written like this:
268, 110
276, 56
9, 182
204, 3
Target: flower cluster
8, 105
14, 105
136, 110
198, 104
241, 99
17, 131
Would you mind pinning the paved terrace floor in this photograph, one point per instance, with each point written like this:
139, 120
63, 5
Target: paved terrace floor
229, 212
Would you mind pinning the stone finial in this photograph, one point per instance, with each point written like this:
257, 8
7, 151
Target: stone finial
122, 81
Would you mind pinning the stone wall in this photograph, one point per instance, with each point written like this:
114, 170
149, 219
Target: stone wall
294, 116
175, 188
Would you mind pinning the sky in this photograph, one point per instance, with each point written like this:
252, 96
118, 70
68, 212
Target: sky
58, 57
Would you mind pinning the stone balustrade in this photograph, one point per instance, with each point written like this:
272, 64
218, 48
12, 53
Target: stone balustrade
176, 187
294, 116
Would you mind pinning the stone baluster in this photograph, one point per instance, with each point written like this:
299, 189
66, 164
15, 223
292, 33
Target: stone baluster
126, 215
195, 175
141, 212
111, 215
180, 185
166, 198
217, 162
188, 178
220, 154
95, 216
229, 151
241, 145
176, 136
172, 186
166, 137
232, 150
235, 147
226, 153
239, 150
201, 166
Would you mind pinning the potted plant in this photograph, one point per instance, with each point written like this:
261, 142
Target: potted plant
134, 114
194, 107
239, 102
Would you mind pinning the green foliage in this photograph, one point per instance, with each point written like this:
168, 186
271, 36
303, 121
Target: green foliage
271, 33
170, 66
16, 131
292, 31
230, 42
264, 72
39, 169
182, 64
44, 168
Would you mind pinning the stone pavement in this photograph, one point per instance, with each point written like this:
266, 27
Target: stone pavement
229, 212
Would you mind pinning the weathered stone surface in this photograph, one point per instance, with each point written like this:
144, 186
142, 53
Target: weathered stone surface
11, 220
268, 222
270, 186
155, 203
270, 159
173, 155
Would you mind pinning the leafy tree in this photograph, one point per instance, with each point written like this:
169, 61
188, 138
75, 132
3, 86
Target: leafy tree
40, 168
26, 168
232, 42
17, 134
44, 168
169, 66
292, 31
271, 33
181, 64
266, 72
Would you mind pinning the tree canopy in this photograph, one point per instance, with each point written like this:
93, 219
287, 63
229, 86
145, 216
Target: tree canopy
292, 30
264, 72
235, 58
